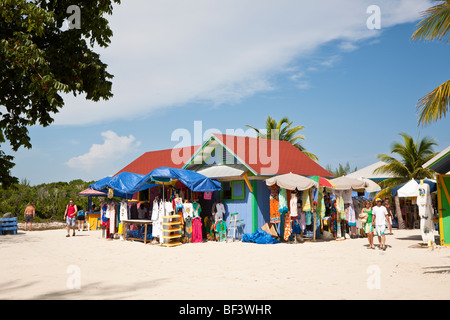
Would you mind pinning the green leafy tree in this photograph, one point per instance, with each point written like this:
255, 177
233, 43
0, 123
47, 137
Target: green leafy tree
341, 170
39, 60
283, 131
435, 25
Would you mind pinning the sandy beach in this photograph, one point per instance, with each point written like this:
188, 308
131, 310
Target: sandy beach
47, 265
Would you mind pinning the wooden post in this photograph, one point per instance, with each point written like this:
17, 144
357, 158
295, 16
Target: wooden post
313, 212
401, 224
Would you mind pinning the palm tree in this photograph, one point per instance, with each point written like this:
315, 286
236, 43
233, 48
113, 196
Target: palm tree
434, 25
412, 155
283, 131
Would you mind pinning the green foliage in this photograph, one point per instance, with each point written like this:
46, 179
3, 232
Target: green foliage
412, 155
283, 131
435, 25
39, 60
341, 170
50, 199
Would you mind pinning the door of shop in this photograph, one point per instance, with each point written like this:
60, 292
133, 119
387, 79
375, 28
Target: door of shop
444, 208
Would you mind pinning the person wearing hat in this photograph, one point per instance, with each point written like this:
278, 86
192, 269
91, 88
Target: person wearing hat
380, 214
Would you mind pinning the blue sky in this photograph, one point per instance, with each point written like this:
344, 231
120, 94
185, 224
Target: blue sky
352, 88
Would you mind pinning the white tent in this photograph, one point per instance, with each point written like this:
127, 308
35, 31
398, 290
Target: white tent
368, 172
410, 189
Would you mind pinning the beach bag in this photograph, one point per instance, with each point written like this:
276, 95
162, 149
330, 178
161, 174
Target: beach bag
363, 217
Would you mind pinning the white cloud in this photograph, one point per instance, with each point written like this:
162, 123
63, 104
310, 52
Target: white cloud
168, 53
104, 155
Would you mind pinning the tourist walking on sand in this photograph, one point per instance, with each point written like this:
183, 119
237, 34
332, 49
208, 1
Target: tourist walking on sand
366, 215
29, 214
70, 217
380, 214
81, 218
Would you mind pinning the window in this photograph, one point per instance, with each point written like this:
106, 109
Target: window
233, 190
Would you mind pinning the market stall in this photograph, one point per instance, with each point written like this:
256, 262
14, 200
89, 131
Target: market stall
441, 165
344, 206
281, 206
418, 205
175, 213
92, 216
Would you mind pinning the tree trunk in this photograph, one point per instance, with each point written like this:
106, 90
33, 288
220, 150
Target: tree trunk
401, 224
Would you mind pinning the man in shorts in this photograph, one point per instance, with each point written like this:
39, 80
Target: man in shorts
380, 214
70, 216
29, 214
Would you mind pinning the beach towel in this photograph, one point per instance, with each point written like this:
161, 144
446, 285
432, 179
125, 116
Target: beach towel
282, 203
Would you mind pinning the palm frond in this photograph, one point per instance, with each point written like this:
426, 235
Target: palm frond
435, 23
434, 105
311, 155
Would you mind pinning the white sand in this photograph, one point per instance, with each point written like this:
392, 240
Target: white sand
43, 265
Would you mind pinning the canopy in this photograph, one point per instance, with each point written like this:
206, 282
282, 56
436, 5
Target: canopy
347, 183
91, 193
126, 182
291, 181
409, 189
192, 180
100, 184
323, 182
371, 186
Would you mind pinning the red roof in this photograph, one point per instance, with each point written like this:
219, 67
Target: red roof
174, 158
255, 153
271, 157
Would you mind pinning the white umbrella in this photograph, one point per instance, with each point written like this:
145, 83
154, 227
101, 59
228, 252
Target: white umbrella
291, 181
371, 186
347, 183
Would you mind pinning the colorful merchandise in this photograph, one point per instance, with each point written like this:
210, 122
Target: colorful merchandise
274, 205
282, 203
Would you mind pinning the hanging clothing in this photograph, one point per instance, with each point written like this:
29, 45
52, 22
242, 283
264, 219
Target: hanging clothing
287, 227
156, 222
351, 218
197, 209
220, 212
308, 218
274, 205
221, 231
123, 210
306, 201
112, 218
293, 205
207, 195
282, 203
424, 203
303, 220
188, 210
334, 224
188, 229
197, 235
